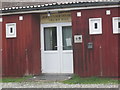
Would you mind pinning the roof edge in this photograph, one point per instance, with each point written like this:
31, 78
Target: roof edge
58, 7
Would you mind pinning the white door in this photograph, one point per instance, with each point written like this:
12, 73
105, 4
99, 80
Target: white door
56, 48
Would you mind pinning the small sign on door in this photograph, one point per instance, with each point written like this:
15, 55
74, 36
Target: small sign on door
77, 38
68, 41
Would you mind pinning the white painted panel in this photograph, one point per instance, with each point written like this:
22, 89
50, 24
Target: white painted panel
51, 62
67, 62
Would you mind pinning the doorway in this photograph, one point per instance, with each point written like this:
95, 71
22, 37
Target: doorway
56, 48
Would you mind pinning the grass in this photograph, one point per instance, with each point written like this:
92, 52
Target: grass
74, 80
15, 79
92, 80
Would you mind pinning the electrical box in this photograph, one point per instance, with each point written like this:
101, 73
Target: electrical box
78, 39
90, 45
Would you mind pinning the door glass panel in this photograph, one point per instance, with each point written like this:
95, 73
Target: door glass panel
50, 38
67, 37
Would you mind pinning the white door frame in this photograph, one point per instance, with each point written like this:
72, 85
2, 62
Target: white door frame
59, 42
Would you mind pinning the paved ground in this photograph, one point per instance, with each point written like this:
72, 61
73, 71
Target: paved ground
42, 84
53, 81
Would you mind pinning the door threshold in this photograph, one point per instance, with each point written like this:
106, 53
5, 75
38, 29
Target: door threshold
54, 76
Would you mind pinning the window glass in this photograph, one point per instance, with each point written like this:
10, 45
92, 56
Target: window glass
67, 37
96, 26
11, 30
50, 38
118, 24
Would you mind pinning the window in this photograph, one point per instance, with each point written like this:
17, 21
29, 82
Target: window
116, 25
10, 30
67, 37
50, 38
95, 25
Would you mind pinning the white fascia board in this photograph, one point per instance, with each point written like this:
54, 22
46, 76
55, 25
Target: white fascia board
61, 9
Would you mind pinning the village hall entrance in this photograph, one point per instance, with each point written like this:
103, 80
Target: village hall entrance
56, 47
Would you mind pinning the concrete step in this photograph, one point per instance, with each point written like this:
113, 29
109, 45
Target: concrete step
52, 77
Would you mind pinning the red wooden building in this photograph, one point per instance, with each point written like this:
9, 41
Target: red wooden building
76, 37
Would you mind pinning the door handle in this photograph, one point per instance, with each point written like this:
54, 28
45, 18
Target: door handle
55, 46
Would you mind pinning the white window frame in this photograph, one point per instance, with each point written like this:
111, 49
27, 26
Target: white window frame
115, 21
8, 27
92, 30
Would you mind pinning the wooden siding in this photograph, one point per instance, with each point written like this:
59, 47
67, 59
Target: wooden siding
21, 55
0, 48
102, 60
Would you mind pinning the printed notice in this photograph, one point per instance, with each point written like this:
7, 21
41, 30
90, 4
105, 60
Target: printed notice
68, 42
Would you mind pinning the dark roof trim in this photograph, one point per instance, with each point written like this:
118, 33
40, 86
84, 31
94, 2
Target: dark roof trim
57, 6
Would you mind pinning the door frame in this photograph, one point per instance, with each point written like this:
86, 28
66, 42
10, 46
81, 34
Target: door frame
42, 26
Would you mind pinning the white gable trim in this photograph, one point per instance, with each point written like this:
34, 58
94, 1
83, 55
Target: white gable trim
61, 9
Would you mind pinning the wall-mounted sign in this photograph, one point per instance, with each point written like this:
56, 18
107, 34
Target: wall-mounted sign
68, 41
10, 30
77, 38
55, 18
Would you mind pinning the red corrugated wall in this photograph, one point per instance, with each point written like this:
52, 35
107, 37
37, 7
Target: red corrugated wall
97, 61
0, 48
21, 55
